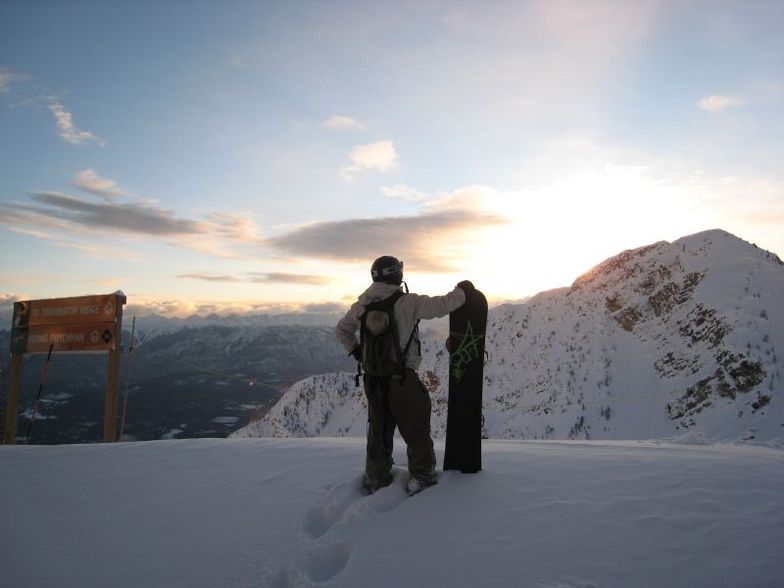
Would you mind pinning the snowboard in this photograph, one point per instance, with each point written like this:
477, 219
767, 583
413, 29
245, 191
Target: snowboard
466, 345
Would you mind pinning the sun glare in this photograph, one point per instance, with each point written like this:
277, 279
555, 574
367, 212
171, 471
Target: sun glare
561, 230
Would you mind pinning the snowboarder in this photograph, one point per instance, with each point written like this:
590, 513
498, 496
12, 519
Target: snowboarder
395, 394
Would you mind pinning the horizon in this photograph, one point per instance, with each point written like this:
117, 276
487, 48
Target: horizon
177, 310
255, 158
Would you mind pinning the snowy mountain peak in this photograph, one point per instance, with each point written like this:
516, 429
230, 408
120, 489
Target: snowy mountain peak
654, 342
716, 249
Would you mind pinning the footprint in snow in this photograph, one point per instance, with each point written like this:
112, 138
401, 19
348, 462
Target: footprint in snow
389, 498
318, 565
320, 519
343, 505
345, 502
324, 562
280, 580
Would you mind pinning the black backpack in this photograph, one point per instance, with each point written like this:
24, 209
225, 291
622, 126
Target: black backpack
379, 340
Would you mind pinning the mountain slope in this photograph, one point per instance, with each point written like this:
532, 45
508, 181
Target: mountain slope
654, 342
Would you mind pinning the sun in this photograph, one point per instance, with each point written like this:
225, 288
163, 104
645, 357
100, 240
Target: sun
557, 232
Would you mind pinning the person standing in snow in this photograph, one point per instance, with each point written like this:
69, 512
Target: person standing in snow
400, 400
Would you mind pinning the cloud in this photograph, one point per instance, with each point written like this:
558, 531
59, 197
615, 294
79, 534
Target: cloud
341, 123
260, 278
92, 183
130, 218
403, 191
141, 305
5, 81
59, 217
324, 307
7, 300
209, 277
717, 103
237, 227
32, 220
380, 156
31, 232
91, 250
8, 78
424, 241
475, 197
72, 222
67, 130
284, 278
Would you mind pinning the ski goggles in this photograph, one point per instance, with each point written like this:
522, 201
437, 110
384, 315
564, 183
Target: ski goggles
391, 270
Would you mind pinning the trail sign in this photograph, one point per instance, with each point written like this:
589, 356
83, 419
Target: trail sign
67, 311
72, 338
81, 324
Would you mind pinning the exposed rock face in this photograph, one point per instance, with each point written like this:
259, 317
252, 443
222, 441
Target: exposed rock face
655, 340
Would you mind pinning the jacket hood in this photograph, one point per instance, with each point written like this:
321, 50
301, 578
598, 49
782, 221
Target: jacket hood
377, 291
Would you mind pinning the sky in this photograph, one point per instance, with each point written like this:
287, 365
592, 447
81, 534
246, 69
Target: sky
240, 156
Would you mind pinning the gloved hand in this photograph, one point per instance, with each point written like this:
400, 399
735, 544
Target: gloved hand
466, 286
356, 353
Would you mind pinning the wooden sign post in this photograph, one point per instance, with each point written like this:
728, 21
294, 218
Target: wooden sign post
83, 324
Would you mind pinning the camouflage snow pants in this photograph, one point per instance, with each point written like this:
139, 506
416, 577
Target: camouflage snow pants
403, 403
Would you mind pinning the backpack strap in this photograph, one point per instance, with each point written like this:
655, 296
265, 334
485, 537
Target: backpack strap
410, 340
394, 298
404, 355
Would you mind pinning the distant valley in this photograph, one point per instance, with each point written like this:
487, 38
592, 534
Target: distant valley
188, 378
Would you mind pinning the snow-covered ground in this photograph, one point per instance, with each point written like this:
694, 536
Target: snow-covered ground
287, 512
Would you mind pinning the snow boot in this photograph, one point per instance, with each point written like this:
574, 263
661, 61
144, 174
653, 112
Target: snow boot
416, 485
371, 486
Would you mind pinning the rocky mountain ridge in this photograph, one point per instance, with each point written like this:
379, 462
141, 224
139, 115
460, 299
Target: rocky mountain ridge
659, 341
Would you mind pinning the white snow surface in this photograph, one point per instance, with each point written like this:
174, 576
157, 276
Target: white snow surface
284, 513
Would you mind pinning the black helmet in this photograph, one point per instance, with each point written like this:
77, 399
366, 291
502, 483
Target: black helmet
387, 269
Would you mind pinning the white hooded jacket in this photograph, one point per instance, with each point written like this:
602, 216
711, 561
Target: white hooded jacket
408, 310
